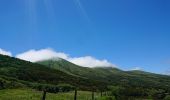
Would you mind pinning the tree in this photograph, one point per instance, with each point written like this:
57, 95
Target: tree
1, 85
167, 97
159, 95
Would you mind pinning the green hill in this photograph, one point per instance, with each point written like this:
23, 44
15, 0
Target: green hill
110, 75
16, 69
61, 76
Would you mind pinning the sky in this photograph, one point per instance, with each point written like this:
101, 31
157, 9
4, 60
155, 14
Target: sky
128, 34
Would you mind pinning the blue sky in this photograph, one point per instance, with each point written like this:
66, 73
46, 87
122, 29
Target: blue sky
128, 33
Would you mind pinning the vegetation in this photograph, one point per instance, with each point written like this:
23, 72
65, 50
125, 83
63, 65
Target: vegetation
27, 71
62, 80
29, 94
111, 76
167, 97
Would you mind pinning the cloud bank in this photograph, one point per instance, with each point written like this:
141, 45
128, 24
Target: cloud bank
45, 54
39, 55
89, 61
3, 52
137, 68
167, 72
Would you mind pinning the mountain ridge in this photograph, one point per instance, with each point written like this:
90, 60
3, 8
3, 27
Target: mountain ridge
62, 71
33, 72
111, 75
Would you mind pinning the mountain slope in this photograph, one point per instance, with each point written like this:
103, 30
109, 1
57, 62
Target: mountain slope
27, 71
112, 76
85, 72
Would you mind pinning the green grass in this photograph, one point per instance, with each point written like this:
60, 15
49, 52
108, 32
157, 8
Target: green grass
29, 94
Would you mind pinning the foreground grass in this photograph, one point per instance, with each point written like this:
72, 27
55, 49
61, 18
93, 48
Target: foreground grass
28, 94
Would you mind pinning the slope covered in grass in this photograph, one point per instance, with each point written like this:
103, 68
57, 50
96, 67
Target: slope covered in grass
110, 75
32, 72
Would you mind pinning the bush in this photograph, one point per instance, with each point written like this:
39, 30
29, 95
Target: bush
52, 88
167, 97
107, 98
159, 94
46, 87
65, 87
1, 84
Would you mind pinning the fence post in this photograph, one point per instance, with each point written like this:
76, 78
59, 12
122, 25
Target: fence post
92, 95
44, 95
75, 94
101, 93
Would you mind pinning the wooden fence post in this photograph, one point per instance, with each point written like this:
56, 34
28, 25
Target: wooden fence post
44, 95
92, 95
75, 94
101, 93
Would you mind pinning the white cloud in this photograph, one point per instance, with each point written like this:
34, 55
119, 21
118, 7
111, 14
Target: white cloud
137, 68
89, 61
44, 54
3, 52
167, 72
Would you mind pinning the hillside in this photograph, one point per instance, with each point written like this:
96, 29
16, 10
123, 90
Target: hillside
61, 77
31, 72
112, 76
100, 73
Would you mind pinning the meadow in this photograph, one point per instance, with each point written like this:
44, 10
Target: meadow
30, 94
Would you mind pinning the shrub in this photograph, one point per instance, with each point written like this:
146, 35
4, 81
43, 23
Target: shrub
107, 98
167, 97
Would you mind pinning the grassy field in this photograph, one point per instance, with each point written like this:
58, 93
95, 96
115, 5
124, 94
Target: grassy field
28, 94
